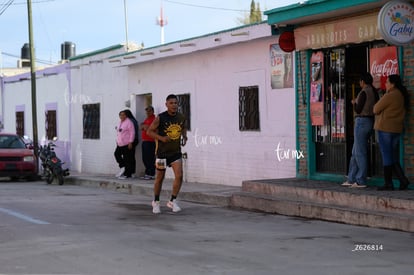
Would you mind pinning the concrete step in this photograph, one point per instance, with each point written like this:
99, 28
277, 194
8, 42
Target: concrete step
329, 193
330, 202
333, 213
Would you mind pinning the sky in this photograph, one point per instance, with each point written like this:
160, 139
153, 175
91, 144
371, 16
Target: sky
96, 24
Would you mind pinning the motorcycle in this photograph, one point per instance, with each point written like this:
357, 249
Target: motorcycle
52, 165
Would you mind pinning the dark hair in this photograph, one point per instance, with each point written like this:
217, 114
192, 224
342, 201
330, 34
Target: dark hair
171, 96
367, 78
129, 114
396, 80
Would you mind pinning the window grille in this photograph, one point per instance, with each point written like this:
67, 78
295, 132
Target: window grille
184, 108
50, 124
249, 119
20, 123
91, 121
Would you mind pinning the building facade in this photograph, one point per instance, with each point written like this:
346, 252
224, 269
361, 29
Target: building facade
336, 41
52, 109
235, 87
238, 99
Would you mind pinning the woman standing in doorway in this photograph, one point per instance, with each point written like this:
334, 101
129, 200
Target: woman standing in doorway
129, 115
364, 122
389, 113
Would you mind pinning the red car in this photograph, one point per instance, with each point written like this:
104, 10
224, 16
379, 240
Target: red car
17, 158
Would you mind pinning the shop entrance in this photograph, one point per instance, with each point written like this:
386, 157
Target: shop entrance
334, 139
357, 62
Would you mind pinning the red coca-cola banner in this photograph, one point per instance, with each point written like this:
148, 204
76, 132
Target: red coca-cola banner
383, 62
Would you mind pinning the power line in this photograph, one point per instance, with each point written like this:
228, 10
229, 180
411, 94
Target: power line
37, 60
34, 2
5, 6
204, 7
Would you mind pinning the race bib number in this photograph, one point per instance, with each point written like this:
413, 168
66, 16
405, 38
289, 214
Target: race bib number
161, 164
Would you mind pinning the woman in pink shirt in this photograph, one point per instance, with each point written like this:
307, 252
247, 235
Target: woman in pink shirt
124, 146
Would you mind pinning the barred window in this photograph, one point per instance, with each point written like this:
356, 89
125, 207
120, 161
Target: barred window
50, 124
20, 123
184, 108
249, 118
91, 121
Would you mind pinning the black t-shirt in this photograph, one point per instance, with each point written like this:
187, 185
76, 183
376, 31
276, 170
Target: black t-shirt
171, 126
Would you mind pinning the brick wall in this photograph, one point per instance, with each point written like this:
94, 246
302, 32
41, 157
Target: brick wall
408, 73
302, 112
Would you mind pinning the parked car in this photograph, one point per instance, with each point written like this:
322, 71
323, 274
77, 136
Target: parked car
17, 159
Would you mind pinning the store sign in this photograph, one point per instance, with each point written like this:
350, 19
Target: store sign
347, 31
396, 22
383, 62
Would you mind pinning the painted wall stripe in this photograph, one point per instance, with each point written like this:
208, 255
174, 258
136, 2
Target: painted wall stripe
22, 216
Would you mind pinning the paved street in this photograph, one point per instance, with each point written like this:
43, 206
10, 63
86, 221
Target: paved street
50, 229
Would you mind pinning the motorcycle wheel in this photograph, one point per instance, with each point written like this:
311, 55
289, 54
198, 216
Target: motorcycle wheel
49, 178
59, 178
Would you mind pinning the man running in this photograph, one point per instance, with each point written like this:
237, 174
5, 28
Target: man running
167, 130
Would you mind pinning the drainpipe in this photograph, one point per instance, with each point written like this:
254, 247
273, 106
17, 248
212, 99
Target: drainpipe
400, 53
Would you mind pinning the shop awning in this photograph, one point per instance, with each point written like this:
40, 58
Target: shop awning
315, 10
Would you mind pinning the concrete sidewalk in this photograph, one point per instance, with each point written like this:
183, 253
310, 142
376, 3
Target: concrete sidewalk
213, 194
291, 197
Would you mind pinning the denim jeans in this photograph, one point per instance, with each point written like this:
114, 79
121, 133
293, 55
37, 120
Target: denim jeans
388, 142
358, 163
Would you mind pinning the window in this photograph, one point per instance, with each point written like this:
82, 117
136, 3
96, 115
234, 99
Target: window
20, 123
91, 121
249, 108
184, 108
50, 124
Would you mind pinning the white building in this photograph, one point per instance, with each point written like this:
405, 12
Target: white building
52, 84
240, 127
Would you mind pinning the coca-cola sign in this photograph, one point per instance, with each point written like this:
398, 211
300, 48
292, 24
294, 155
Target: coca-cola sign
396, 22
383, 62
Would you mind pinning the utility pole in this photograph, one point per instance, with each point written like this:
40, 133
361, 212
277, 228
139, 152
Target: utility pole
126, 25
33, 80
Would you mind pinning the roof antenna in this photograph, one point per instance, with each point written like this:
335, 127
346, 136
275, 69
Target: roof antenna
162, 22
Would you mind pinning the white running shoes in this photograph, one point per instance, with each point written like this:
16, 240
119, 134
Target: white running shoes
120, 172
156, 209
174, 206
